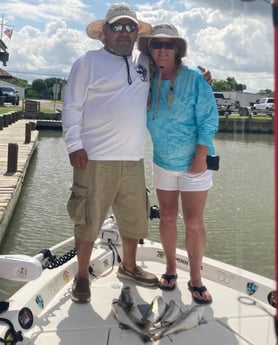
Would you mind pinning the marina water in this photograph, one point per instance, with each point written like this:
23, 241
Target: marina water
239, 214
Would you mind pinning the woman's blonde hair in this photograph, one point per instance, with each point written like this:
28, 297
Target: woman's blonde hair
153, 70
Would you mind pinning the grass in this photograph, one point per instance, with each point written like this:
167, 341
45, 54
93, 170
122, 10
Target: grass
4, 110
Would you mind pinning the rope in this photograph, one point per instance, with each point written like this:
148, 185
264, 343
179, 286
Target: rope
129, 80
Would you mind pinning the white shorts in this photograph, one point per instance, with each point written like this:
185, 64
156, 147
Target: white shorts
181, 180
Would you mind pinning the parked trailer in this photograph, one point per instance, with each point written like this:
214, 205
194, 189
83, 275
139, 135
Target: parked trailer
234, 101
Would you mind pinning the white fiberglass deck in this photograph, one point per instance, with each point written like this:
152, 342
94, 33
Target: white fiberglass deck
57, 320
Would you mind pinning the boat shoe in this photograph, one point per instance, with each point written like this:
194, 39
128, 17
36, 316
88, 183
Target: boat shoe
81, 292
138, 275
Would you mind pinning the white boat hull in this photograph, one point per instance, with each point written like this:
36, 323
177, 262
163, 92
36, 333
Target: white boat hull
52, 318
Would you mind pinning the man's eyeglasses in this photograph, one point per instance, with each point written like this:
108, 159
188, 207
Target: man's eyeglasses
163, 44
117, 27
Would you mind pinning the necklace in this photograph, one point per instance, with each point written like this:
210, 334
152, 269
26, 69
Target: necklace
171, 90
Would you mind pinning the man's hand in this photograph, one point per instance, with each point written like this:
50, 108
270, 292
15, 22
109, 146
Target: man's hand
79, 159
206, 74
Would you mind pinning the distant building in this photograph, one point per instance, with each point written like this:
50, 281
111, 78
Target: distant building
4, 74
4, 55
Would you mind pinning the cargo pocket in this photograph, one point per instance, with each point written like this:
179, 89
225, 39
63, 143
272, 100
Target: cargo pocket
77, 205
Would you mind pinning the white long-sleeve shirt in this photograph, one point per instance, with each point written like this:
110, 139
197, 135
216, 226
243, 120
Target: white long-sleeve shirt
102, 112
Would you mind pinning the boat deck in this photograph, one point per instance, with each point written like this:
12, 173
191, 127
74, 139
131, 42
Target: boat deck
228, 322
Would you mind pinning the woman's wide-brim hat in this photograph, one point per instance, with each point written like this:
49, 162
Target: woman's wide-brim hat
115, 13
162, 31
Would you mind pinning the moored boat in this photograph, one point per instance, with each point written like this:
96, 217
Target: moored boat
42, 312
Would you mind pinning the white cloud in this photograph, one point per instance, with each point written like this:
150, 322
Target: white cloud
230, 37
47, 53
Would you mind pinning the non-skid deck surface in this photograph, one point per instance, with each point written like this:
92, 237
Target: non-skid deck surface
63, 320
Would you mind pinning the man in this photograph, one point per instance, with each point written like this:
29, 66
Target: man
104, 126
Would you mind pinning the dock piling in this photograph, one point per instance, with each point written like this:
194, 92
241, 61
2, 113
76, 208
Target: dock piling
12, 158
28, 130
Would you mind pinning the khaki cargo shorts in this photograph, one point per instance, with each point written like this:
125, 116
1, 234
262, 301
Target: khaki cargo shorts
104, 184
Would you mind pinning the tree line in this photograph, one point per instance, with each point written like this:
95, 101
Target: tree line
43, 88
39, 88
230, 84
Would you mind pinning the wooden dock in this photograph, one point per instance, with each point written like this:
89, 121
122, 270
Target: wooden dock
11, 182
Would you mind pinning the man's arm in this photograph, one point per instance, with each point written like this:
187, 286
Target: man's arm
206, 74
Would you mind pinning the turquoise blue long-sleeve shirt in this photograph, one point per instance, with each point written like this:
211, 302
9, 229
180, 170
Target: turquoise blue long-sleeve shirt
176, 129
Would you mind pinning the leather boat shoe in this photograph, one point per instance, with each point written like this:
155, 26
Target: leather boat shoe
138, 275
81, 292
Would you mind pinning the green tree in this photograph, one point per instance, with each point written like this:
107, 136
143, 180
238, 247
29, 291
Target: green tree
50, 82
221, 85
240, 87
39, 86
267, 92
17, 81
230, 84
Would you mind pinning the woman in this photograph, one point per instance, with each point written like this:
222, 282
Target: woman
182, 120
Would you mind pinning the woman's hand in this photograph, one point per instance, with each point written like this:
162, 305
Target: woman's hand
198, 165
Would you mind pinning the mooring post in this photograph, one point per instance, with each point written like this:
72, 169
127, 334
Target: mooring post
12, 157
33, 125
28, 129
5, 120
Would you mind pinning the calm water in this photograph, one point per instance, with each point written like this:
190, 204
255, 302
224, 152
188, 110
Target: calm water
239, 214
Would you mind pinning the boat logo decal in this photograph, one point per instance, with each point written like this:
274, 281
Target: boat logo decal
225, 277
182, 260
271, 297
160, 254
39, 301
25, 318
105, 263
66, 276
251, 288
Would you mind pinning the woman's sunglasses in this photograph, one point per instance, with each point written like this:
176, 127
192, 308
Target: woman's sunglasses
163, 44
117, 27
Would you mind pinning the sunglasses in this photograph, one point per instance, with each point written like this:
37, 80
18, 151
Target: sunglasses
162, 44
117, 27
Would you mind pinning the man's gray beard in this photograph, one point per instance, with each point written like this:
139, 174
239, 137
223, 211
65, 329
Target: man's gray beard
120, 51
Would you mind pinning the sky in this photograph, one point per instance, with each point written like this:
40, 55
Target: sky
229, 37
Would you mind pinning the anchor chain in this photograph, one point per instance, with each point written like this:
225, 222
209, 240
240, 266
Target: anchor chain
53, 261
